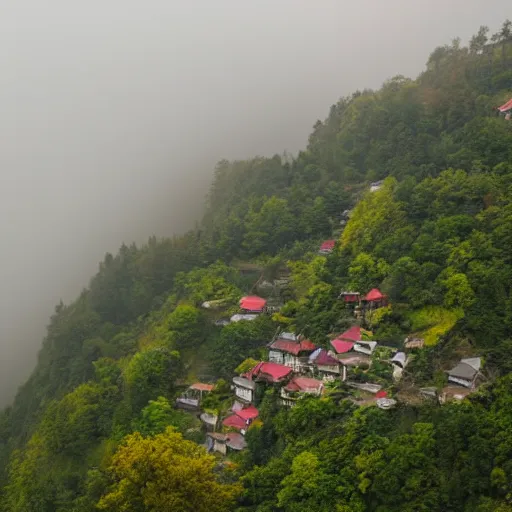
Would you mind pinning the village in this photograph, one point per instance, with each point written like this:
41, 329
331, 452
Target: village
364, 371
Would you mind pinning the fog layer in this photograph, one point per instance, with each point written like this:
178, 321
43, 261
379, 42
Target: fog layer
114, 112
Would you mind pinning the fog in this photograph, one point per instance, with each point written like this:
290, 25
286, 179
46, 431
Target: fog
113, 114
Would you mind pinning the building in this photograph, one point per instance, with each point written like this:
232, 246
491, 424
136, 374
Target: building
375, 298
209, 420
298, 387
270, 373
328, 367
466, 372
365, 347
252, 304
453, 393
241, 419
327, 247
294, 354
350, 298
223, 443
244, 389
192, 397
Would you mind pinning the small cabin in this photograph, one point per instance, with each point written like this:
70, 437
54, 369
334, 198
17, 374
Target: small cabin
191, 398
365, 347
327, 366
294, 354
466, 372
223, 443
300, 386
244, 389
375, 298
241, 419
270, 373
252, 304
327, 247
350, 298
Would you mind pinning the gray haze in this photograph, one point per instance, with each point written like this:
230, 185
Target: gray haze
112, 114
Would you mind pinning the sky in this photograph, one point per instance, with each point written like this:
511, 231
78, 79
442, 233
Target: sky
113, 114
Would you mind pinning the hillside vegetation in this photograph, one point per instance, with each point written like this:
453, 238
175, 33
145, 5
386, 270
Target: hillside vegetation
93, 428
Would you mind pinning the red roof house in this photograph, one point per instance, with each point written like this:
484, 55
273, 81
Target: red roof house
269, 372
327, 246
374, 295
381, 394
253, 303
305, 385
293, 347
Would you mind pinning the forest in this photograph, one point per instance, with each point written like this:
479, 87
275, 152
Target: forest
95, 427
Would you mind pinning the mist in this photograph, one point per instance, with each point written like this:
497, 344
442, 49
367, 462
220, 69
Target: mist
114, 113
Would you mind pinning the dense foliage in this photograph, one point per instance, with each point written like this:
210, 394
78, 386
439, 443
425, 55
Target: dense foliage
89, 429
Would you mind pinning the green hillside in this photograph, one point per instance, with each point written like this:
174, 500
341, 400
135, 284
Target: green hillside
89, 429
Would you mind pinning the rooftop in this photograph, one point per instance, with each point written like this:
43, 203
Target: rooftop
293, 347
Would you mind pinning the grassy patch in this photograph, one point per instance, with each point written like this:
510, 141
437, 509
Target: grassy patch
432, 322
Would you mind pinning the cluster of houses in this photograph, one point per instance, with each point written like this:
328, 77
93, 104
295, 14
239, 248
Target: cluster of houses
296, 367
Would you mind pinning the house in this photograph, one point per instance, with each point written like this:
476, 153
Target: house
342, 346
300, 386
376, 185
399, 362
294, 354
223, 443
327, 366
252, 304
354, 360
466, 372
351, 298
241, 419
239, 317
244, 389
375, 298
412, 343
192, 397
209, 420
327, 247
271, 373
365, 347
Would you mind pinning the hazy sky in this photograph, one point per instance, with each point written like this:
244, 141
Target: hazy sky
112, 114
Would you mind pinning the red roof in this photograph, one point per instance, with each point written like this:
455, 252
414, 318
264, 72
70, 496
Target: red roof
352, 334
252, 303
506, 106
293, 347
342, 346
328, 245
235, 421
249, 413
202, 387
304, 384
381, 394
351, 297
275, 371
374, 295
324, 359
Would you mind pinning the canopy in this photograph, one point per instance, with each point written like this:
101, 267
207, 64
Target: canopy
374, 295
252, 303
506, 107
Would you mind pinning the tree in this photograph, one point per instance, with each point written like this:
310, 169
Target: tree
165, 473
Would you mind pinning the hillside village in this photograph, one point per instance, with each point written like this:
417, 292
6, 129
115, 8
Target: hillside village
296, 367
